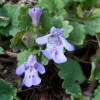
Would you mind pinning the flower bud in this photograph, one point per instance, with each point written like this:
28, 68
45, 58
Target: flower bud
35, 14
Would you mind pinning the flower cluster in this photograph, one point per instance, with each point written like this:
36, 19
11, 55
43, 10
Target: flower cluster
31, 69
54, 51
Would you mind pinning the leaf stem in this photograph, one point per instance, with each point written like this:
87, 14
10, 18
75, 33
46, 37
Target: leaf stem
98, 40
4, 18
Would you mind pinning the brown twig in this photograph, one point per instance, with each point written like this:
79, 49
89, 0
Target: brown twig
12, 54
74, 20
5, 60
82, 60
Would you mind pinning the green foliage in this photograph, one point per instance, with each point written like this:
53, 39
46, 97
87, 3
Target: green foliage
78, 17
78, 34
7, 91
79, 97
23, 56
48, 21
80, 12
11, 12
95, 14
96, 94
42, 59
69, 2
51, 5
16, 42
68, 28
95, 72
1, 50
92, 26
3, 23
24, 19
71, 72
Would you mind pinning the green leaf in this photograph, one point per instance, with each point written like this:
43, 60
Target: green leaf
3, 13
7, 91
11, 11
80, 12
95, 72
68, 28
78, 34
24, 19
90, 4
71, 72
3, 23
93, 26
96, 13
69, 2
1, 50
35, 49
23, 56
48, 21
79, 97
42, 59
16, 42
96, 94
51, 5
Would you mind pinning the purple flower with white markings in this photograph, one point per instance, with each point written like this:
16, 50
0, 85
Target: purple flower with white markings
31, 69
55, 45
35, 14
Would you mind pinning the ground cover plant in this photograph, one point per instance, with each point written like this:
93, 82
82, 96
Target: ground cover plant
49, 49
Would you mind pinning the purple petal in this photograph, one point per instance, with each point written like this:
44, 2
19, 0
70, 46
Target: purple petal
31, 60
31, 78
28, 79
40, 68
59, 56
67, 45
35, 13
57, 31
20, 69
61, 31
47, 53
52, 30
42, 40
36, 80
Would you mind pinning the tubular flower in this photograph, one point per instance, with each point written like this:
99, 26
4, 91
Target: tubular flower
55, 45
31, 69
35, 14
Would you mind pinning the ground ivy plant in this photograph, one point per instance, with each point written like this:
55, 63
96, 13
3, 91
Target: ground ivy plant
44, 32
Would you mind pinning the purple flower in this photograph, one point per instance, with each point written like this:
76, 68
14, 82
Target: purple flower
55, 45
31, 69
35, 14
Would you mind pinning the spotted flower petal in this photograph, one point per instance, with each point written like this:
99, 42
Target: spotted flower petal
59, 56
28, 79
36, 80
